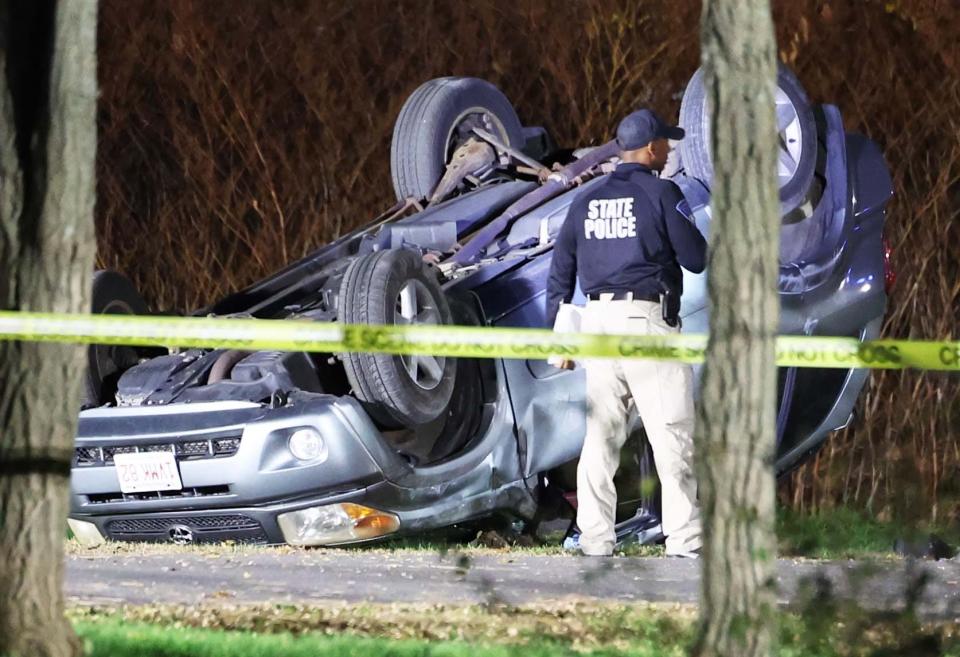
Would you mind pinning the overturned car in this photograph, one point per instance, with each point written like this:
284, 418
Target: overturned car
333, 448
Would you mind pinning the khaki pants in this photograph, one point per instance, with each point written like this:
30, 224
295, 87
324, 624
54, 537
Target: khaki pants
663, 394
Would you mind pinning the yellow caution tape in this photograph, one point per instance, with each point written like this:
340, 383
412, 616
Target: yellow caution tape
466, 341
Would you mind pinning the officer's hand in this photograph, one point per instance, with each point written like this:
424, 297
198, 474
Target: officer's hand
565, 364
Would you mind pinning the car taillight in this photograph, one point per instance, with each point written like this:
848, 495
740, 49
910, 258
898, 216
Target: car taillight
889, 275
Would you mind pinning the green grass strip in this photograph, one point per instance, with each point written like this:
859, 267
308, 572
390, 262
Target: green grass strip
834, 630
120, 639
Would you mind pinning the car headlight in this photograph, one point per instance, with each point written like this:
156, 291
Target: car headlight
335, 523
307, 445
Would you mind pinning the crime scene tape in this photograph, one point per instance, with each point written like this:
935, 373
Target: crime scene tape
464, 341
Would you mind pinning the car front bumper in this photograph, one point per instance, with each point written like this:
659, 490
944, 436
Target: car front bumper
237, 524
236, 469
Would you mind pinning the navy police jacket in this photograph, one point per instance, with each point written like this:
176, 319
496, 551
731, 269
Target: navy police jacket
630, 233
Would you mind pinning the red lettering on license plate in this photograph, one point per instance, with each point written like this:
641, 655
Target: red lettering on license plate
147, 472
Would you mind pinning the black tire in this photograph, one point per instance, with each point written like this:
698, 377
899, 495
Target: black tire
113, 294
464, 414
369, 294
695, 147
425, 134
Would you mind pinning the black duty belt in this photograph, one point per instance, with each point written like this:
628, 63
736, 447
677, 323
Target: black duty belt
624, 295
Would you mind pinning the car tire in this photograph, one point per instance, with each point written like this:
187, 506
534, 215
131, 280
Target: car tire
435, 119
796, 127
113, 294
464, 414
386, 288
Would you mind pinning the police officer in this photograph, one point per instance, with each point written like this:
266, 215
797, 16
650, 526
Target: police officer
626, 239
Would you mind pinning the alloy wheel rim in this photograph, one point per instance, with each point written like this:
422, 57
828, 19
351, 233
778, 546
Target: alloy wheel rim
789, 138
415, 306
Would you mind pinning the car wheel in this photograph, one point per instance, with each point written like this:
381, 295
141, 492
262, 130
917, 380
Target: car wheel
796, 129
113, 294
395, 287
437, 118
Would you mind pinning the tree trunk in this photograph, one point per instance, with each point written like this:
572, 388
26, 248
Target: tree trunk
47, 149
736, 416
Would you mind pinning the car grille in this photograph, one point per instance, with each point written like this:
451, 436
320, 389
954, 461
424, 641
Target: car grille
185, 450
197, 491
204, 528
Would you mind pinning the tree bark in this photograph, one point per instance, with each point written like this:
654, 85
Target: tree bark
47, 149
736, 415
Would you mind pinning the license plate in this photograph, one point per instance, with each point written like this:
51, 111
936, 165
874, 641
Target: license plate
147, 472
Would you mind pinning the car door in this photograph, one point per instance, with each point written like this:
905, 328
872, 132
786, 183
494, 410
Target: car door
548, 403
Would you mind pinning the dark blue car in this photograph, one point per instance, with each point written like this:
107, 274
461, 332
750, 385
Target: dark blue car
324, 449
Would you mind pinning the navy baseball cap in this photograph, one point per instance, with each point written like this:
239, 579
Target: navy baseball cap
643, 126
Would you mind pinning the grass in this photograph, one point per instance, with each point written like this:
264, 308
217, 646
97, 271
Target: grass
143, 640
121, 640
388, 630
845, 533
494, 543
582, 629
123, 548
558, 626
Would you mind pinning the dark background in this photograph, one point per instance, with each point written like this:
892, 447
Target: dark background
236, 136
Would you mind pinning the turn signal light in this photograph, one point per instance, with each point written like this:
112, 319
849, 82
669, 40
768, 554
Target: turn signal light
336, 523
370, 523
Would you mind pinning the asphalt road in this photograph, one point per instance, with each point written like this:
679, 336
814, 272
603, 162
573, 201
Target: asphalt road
429, 577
